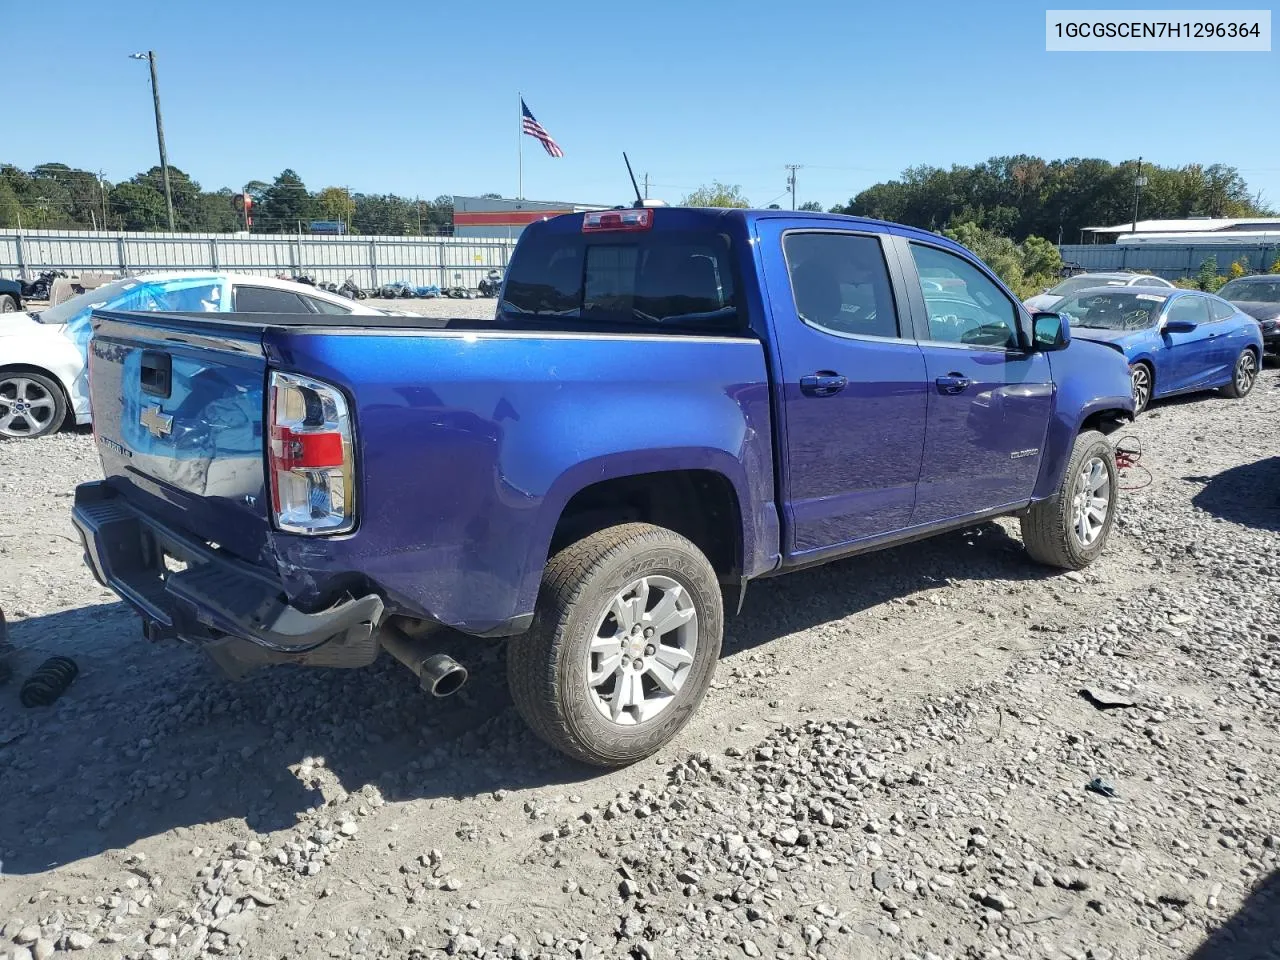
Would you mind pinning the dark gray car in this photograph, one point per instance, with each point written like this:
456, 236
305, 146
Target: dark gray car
10, 296
1259, 297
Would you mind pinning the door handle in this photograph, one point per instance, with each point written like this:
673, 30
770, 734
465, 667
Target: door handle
953, 383
823, 384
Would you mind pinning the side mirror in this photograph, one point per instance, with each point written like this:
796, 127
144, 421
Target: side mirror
1050, 331
1179, 326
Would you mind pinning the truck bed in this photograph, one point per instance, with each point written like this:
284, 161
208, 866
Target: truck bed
469, 441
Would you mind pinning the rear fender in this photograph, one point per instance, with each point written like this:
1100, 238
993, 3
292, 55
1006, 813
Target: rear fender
752, 539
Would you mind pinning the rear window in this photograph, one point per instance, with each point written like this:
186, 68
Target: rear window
672, 280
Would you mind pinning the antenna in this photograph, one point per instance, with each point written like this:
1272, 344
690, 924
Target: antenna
634, 186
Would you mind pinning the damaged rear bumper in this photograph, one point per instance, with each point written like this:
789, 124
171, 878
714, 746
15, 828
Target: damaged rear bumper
186, 589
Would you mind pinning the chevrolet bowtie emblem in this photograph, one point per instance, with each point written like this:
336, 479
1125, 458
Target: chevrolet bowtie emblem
157, 422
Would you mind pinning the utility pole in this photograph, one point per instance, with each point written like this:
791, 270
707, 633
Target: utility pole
646, 186
1138, 183
150, 57
102, 189
791, 181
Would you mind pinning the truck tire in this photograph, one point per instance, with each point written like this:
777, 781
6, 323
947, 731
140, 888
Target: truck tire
8, 304
624, 641
1069, 530
1243, 375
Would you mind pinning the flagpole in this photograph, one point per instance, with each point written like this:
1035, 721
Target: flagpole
520, 150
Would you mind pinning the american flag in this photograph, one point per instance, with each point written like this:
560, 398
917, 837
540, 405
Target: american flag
534, 129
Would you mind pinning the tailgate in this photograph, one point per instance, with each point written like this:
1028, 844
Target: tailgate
177, 413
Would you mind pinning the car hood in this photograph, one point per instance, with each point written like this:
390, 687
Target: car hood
1120, 340
1258, 309
1042, 301
12, 324
1098, 335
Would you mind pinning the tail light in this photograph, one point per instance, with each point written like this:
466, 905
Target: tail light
625, 220
309, 453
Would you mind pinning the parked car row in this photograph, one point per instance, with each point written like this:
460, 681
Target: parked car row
1175, 341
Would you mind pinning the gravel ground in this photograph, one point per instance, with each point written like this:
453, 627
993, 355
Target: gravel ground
892, 762
478, 309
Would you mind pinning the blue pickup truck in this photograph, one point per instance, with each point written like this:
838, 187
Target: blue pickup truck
669, 404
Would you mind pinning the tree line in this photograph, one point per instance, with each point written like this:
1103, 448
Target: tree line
56, 196
1024, 196
1015, 197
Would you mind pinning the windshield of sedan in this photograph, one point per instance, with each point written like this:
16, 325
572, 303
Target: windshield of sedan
1073, 284
1252, 291
1121, 310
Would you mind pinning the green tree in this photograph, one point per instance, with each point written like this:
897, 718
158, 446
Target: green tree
286, 205
10, 207
137, 206
716, 195
1207, 276
1026, 268
1022, 196
335, 203
811, 206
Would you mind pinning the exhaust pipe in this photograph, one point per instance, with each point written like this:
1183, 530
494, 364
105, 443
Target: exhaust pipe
439, 673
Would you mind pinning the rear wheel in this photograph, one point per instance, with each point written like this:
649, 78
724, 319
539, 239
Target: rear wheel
1070, 529
624, 642
1140, 382
1243, 376
31, 405
8, 304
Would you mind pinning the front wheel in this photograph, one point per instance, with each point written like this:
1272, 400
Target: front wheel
31, 405
625, 639
1069, 530
1244, 376
8, 304
1140, 384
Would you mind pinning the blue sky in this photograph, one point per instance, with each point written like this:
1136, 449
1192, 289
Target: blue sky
420, 98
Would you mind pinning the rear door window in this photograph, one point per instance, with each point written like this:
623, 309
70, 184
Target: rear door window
841, 284
670, 280
324, 306
1221, 310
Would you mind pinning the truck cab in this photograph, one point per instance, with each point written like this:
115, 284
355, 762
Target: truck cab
667, 404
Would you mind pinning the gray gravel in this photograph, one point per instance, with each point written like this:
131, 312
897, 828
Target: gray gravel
892, 761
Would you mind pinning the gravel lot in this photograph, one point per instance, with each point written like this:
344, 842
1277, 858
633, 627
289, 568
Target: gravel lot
892, 762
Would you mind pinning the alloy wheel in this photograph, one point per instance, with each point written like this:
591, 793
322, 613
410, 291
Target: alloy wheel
26, 407
1092, 502
643, 650
1246, 371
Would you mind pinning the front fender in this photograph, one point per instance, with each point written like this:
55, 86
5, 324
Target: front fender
1091, 379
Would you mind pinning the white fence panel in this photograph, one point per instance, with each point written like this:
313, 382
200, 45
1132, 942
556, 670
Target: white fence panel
371, 261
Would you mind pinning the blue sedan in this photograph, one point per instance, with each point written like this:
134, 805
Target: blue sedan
1176, 341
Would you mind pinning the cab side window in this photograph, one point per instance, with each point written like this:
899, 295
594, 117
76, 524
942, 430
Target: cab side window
969, 308
841, 284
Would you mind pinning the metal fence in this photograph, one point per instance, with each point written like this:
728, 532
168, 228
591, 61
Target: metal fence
1172, 261
370, 261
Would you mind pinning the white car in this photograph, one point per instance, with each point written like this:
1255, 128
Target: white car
1046, 300
43, 353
